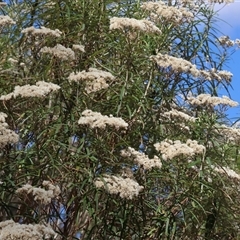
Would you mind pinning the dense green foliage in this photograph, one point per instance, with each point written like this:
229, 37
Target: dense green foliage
186, 198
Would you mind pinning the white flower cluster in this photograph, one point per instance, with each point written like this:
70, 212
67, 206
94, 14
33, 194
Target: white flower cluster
190, 4
95, 79
49, 4
97, 120
12, 61
142, 159
229, 133
15, 64
159, 10
178, 115
237, 42
221, 1
225, 41
178, 65
42, 32
9, 230
181, 126
226, 170
40, 194
125, 187
78, 47
60, 52
208, 100
133, 24
7, 136
3, 4
171, 149
41, 89
6, 20
213, 74
2, 117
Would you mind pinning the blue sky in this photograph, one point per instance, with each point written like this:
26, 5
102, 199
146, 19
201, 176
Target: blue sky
230, 14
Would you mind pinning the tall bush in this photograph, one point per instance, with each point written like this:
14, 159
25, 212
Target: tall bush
111, 124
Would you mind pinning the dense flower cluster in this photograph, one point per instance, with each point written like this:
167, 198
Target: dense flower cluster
160, 11
225, 41
171, 149
12, 61
10, 230
94, 79
6, 20
208, 100
213, 74
141, 159
179, 115
133, 24
42, 32
125, 187
228, 171
2, 4
178, 65
97, 120
231, 134
60, 52
7, 136
78, 47
221, 1
40, 194
41, 89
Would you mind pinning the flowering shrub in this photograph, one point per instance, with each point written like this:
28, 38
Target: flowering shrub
110, 123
